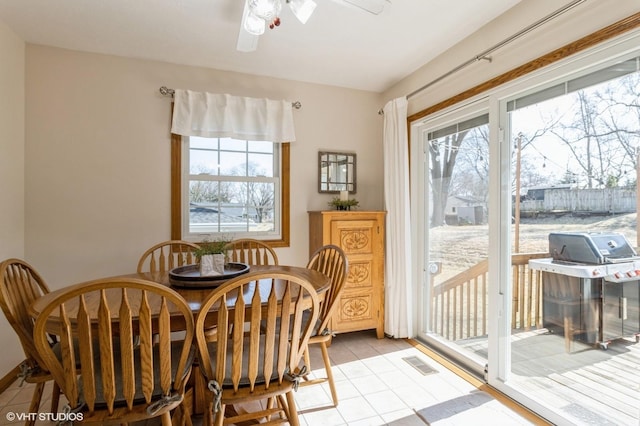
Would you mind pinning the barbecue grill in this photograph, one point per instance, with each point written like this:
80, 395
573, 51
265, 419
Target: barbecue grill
590, 247
591, 286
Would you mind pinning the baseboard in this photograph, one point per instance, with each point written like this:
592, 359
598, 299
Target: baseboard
9, 378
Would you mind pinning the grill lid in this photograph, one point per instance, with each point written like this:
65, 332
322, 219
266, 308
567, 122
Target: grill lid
590, 247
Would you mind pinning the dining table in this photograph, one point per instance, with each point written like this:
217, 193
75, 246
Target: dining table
194, 294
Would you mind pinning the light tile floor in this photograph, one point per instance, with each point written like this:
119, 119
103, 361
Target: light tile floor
376, 386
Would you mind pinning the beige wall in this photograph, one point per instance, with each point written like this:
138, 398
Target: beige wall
580, 21
12, 51
11, 144
98, 155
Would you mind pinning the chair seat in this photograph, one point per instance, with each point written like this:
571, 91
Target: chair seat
176, 349
132, 367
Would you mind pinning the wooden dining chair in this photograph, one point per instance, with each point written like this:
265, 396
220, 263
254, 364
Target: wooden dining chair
167, 255
21, 284
130, 368
331, 261
259, 360
251, 252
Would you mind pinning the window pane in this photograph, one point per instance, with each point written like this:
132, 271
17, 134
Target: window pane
607, 74
208, 143
203, 192
233, 163
458, 194
459, 127
203, 206
237, 193
574, 168
229, 144
260, 203
260, 165
260, 146
203, 161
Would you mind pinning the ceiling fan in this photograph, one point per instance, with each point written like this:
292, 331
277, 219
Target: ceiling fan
259, 14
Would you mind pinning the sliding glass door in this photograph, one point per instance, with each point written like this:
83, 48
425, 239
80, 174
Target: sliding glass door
455, 194
491, 180
575, 162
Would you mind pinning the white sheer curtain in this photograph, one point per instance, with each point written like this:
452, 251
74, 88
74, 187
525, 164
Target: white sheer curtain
398, 237
219, 115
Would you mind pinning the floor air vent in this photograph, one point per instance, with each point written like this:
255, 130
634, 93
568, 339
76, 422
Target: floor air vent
419, 365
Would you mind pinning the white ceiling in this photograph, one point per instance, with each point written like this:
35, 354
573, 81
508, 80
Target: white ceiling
340, 45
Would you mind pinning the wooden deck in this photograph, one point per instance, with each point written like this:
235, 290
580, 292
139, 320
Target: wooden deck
588, 384
584, 383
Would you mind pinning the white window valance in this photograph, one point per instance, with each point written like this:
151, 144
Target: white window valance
220, 115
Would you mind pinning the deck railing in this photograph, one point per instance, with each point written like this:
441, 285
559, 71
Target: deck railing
459, 304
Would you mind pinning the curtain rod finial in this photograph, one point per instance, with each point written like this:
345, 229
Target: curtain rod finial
164, 91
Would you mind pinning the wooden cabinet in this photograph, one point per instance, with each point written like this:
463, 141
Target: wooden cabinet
361, 235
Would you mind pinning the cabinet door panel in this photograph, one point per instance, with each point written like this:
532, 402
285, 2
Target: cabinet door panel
355, 237
360, 274
355, 308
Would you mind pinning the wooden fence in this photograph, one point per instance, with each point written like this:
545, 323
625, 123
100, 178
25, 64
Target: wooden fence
597, 201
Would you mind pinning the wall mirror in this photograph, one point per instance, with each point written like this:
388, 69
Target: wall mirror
336, 172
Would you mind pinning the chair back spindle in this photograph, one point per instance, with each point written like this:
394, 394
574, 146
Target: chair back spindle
119, 331
165, 256
331, 261
263, 321
251, 252
20, 286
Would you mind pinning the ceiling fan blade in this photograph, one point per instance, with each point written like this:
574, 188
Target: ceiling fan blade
246, 42
374, 7
302, 9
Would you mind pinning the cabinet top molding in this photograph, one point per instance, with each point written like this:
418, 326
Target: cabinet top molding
347, 211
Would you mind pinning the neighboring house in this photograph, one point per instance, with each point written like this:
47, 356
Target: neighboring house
538, 192
464, 210
204, 216
206, 212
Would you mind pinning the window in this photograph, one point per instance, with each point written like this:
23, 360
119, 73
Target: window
230, 187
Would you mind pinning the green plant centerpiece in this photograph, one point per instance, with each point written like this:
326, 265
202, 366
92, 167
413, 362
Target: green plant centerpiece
343, 204
210, 247
211, 257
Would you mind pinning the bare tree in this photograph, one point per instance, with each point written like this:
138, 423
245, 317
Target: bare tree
443, 153
471, 174
603, 134
621, 118
207, 191
261, 199
530, 174
255, 194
